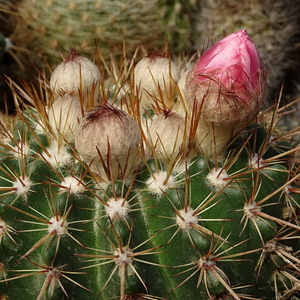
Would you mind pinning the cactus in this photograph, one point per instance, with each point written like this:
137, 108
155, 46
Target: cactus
118, 198
54, 26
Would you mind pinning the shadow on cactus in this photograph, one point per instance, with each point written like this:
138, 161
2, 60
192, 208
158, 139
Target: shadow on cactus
155, 179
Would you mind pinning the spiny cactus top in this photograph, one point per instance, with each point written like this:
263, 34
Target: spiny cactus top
113, 190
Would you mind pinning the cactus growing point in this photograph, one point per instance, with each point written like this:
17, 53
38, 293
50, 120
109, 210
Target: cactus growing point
156, 218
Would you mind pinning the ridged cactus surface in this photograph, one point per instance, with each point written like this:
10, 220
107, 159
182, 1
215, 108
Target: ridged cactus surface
54, 26
131, 200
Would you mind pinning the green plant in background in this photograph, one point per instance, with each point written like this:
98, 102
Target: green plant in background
174, 185
54, 26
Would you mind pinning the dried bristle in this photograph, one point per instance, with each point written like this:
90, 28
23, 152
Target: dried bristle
73, 53
157, 53
103, 112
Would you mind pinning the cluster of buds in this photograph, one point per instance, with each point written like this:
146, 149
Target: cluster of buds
106, 138
75, 85
223, 92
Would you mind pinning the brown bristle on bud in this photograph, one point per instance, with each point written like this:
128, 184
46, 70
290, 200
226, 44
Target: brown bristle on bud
156, 54
71, 55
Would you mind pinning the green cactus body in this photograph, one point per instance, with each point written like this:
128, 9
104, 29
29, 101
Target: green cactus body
184, 238
184, 226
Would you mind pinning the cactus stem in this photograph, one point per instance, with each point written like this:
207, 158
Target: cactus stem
123, 257
19, 185
280, 189
143, 297
57, 227
218, 177
281, 274
188, 217
219, 275
272, 248
73, 184
282, 252
53, 275
117, 208
159, 183
206, 266
256, 161
57, 155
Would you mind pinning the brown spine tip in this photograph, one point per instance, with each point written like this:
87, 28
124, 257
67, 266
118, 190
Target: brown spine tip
102, 112
72, 55
158, 54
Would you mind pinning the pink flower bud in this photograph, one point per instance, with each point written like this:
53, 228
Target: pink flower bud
228, 81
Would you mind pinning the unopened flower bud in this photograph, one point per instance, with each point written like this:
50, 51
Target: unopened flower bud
155, 76
65, 116
108, 140
167, 136
76, 75
227, 84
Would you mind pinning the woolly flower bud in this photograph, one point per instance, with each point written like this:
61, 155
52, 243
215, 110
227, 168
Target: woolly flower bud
168, 135
108, 140
227, 84
65, 116
76, 74
155, 76
228, 81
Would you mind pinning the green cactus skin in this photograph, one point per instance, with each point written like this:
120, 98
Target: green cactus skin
200, 228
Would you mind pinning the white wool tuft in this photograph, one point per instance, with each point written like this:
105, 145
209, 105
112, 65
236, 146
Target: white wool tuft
156, 183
